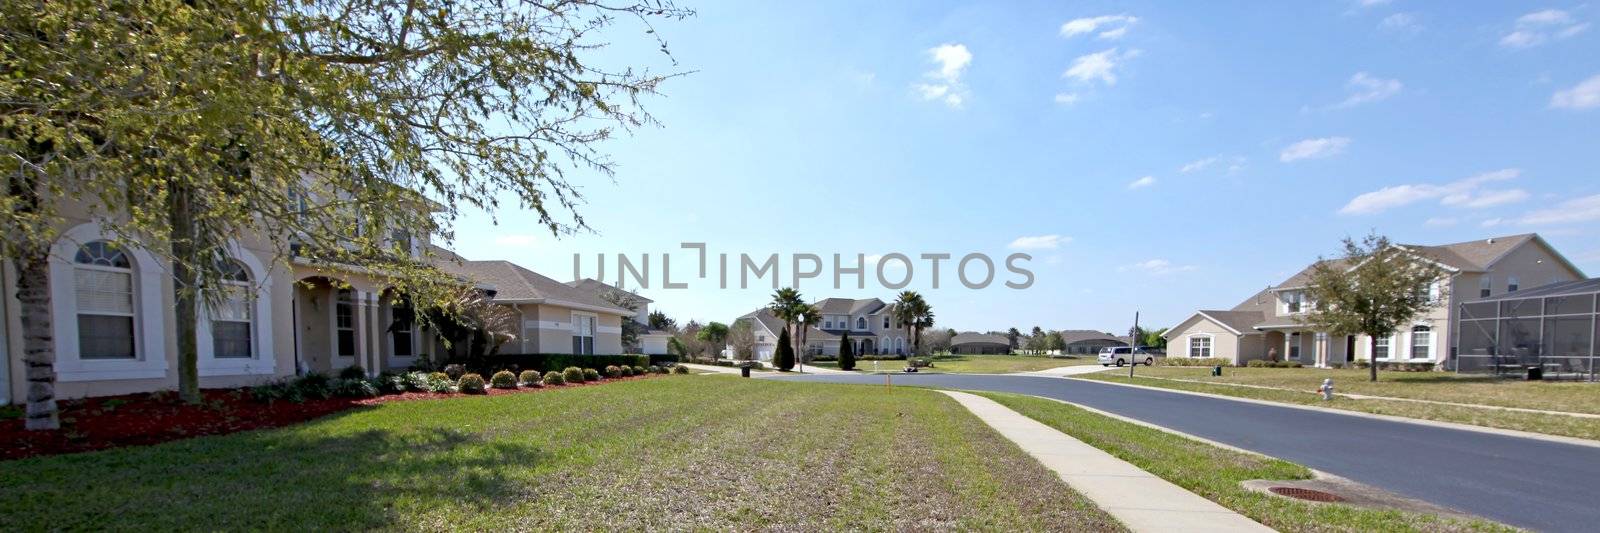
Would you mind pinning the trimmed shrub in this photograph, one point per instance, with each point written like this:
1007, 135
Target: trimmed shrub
417, 381
529, 378
353, 372
556, 361
391, 383
354, 388
680, 369
655, 370
553, 378
471, 384
613, 372
1258, 363
277, 390
572, 374
626, 371
314, 385
503, 379
1195, 361
784, 358
455, 371
439, 375
638, 371
590, 374
438, 382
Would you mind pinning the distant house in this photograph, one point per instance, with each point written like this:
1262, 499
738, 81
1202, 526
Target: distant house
1084, 341
651, 341
1267, 324
555, 317
980, 343
872, 331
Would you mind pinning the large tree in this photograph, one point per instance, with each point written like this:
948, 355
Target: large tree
787, 305
184, 124
1374, 289
742, 337
713, 335
847, 353
913, 313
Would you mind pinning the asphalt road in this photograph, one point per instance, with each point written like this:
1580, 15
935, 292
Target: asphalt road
1530, 483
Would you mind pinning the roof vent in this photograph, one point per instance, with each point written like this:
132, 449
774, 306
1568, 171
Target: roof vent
1491, 240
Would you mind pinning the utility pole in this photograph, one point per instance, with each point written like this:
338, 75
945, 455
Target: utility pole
1133, 345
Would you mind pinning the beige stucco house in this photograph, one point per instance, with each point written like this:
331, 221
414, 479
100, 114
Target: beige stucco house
872, 331
555, 317
1266, 325
651, 341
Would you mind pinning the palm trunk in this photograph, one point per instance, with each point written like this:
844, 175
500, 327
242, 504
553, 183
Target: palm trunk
180, 215
38, 339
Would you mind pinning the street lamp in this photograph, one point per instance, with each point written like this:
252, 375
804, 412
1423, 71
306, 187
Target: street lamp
800, 355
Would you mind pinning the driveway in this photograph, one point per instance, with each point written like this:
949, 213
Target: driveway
1536, 484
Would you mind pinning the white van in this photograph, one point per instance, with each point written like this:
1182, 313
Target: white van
1124, 355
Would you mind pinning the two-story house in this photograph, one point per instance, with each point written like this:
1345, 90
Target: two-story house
867, 321
1266, 325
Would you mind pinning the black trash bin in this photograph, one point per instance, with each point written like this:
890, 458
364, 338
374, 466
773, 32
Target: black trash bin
744, 371
1535, 373
1216, 370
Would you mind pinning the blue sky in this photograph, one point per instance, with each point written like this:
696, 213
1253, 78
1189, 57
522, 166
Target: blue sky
1153, 157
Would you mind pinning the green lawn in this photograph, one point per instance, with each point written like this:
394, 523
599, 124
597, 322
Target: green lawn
1216, 473
1437, 386
973, 364
676, 452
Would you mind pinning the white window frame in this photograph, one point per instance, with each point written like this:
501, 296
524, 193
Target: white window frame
354, 329
578, 319
1388, 347
1411, 351
1513, 284
150, 359
1294, 302
1485, 286
263, 359
1296, 343
395, 359
1210, 345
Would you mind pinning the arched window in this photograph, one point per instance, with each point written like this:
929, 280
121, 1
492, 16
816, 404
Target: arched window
104, 285
1421, 342
232, 320
861, 322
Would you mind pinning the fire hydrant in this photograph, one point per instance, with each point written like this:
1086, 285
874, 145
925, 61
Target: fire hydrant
1326, 389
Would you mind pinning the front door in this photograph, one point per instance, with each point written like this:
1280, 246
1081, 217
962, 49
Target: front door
1349, 348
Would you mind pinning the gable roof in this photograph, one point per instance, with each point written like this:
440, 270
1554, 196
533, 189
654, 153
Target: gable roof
600, 287
1070, 336
514, 284
848, 306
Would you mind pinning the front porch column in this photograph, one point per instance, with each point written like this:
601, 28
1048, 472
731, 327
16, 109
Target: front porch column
363, 330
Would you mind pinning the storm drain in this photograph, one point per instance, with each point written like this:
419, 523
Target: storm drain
1305, 494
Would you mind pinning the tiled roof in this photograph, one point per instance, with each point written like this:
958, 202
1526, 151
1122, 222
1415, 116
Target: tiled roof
1079, 335
969, 337
600, 287
847, 306
514, 283
1472, 256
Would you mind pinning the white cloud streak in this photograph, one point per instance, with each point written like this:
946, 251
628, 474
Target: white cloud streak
1584, 95
1116, 26
1143, 182
1099, 66
1366, 88
1584, 209
1466, 193
945, 81
1314, 149
1040, 242
1539, 27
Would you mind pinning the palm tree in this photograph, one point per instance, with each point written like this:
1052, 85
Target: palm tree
914, 314
786, 305
807, 314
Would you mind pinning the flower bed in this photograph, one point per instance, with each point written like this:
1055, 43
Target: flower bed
140, 419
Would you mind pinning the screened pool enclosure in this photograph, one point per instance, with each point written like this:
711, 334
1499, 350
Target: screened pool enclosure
1550, 328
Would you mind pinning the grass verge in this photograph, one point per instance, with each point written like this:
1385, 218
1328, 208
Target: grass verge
701, 453
1549, 424
1216, 473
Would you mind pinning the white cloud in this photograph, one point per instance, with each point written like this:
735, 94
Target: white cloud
1366, 88
1099, 66
1538, 27
1585, 209
1370, 3
1116, 26
516, 239
1584, 95
1040, 242
1067, 98
945, 82
1489, 223
1314, 149
1440, 222
1400, 22
1199, 164
1158, 267
1142, 182
1461, 193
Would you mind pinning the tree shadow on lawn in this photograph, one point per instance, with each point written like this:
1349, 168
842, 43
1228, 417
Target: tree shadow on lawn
306, 478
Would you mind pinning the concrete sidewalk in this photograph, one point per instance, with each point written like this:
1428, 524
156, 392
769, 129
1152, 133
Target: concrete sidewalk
1064, 371
1139, 499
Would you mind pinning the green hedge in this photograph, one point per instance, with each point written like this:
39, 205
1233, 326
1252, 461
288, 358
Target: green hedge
545, 362
1196, 361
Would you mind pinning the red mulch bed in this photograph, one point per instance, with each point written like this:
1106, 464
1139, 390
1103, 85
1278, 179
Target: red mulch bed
139, 419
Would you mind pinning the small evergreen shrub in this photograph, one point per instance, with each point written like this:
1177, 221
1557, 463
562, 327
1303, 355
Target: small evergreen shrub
277, 390
471, 384
503, 379
613, 372
439, 375
1192, 361
655, 369
553, 378
572, 374
314, 385
440, 383
353, 372
529, 378
417, 381
455, 371
354, 388
590, 374
680, 369
626, 371
393, 383
638, 371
